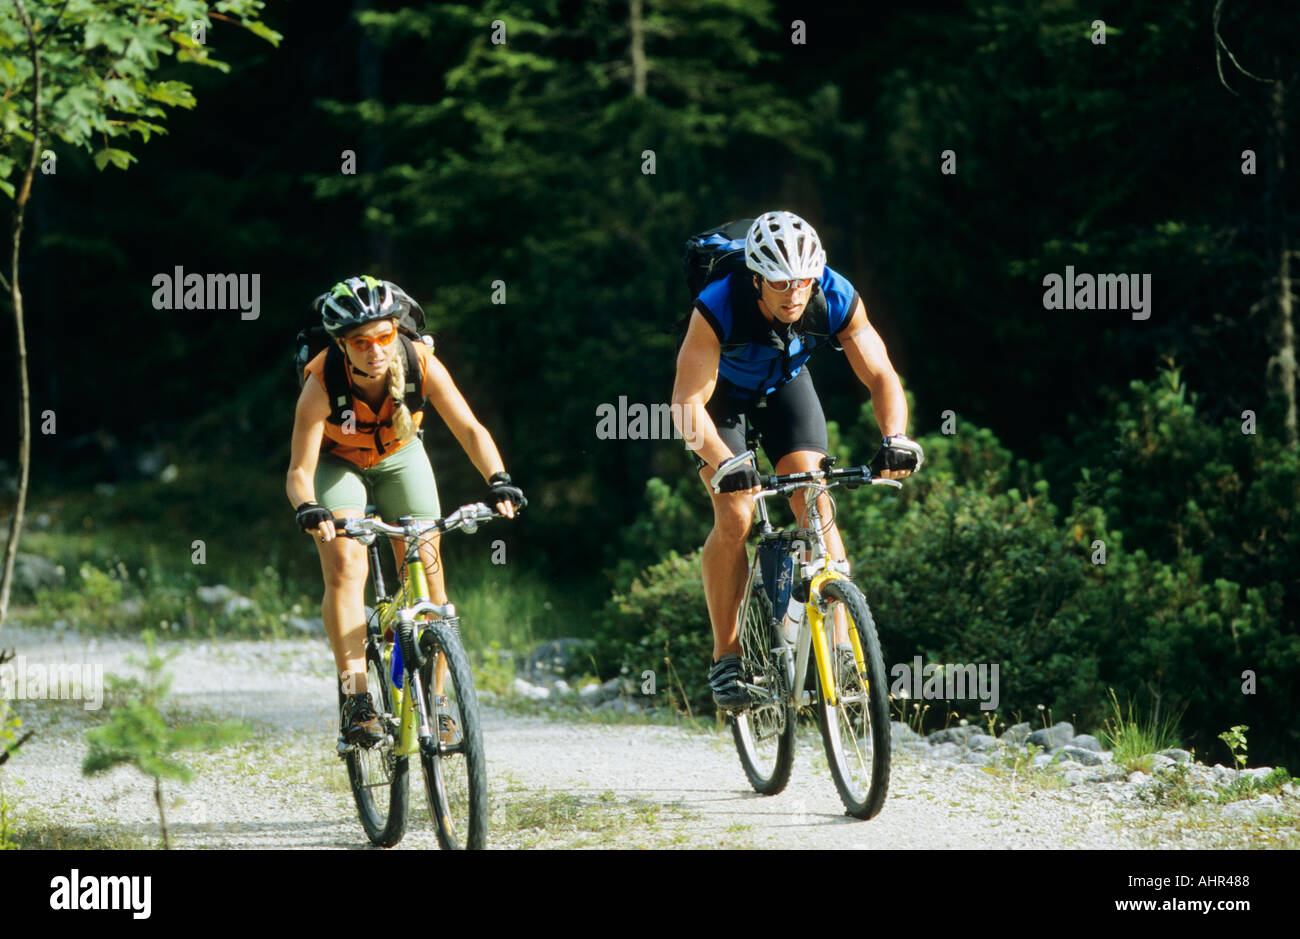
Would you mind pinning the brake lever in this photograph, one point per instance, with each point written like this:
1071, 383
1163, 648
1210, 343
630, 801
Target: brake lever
727, 466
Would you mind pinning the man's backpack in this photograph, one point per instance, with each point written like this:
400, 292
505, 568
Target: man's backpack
713, 254
716, 252
313, 339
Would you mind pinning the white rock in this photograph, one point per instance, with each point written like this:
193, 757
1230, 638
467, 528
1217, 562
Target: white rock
528, 690
215, 596
238, 604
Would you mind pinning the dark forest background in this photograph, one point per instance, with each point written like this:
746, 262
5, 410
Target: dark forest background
523, 163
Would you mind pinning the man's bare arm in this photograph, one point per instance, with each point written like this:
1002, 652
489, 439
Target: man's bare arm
866, 353
697, 375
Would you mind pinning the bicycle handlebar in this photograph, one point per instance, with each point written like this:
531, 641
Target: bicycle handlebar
777, 484
467, 517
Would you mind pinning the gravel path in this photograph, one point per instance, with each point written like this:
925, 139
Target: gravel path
554, 783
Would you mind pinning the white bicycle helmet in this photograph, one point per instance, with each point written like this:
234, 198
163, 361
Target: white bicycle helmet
782, 246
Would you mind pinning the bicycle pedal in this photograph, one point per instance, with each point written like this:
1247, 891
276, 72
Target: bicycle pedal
343, 748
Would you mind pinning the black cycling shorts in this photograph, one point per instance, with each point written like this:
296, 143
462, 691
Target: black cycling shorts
788, 419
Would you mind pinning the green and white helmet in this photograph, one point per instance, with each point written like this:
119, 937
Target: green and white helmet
782, 246
360, 300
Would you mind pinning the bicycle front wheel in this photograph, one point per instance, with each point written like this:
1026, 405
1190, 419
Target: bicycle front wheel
855, 729
379, 777
764, 732
455, 767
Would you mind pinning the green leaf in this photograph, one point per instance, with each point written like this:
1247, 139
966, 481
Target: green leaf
145, 129
111, 33
174, 93
119, 158
147, 44
120, 94
262, 30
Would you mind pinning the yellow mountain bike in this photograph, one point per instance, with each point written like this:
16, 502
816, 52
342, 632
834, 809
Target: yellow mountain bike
795, 603
419, 678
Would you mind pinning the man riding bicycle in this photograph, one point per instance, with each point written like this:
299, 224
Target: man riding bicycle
337, 469
744, 356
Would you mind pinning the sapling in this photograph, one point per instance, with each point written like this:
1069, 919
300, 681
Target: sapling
137, 734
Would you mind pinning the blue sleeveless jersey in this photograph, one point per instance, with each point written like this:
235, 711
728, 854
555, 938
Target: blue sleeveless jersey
758, 356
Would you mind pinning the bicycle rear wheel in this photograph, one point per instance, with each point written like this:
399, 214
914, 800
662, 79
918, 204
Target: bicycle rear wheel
455, 767
856, 729
764, 732
379, 777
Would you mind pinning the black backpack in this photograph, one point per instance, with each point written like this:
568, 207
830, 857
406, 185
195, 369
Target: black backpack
716, 252
313, 339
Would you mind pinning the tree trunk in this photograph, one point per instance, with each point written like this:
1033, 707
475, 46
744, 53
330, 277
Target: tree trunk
638, 49
162, 812
20, 338
1286, 357
372, 155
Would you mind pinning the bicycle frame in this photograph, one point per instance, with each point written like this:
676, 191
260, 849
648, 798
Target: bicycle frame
399, 614
817, 571
812, 625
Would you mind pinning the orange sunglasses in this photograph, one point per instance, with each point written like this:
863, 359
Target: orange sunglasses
363, 343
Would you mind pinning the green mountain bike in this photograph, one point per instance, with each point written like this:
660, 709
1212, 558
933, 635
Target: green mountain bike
419, 678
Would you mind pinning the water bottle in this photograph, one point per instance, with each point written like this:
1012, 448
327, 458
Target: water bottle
790, 624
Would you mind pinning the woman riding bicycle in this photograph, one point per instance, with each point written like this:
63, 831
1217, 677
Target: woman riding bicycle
374, 456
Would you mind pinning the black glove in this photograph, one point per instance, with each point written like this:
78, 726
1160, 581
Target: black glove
739, 479
898, 452
310, 514
503, 491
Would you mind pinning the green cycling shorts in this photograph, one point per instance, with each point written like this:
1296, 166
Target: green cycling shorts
399, 484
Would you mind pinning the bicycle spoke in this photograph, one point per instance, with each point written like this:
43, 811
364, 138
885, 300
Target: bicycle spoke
378, 776
764, 732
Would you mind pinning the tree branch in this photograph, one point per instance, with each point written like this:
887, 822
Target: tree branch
53, 25
13, 748
1220, 44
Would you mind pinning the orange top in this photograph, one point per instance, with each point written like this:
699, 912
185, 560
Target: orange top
368, 437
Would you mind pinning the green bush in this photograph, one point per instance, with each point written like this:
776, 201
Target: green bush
676, 516
661, 624
968, 575
1204, 591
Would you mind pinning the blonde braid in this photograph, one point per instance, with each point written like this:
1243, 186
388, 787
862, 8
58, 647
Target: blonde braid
402, 424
